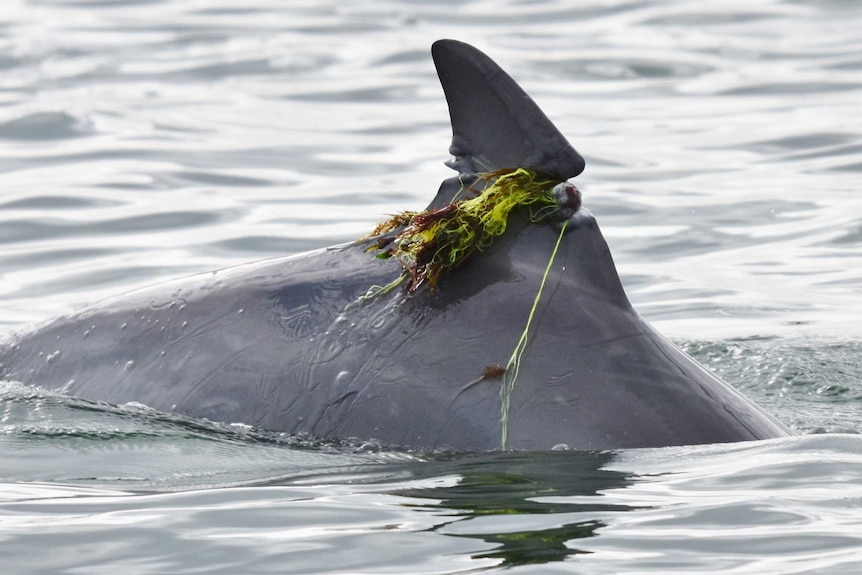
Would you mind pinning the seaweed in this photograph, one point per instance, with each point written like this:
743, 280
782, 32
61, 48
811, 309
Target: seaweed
428, 243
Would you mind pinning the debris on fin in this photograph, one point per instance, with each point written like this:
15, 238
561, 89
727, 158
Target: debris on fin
429, 242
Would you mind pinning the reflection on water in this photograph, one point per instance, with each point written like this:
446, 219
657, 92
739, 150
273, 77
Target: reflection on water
494, 487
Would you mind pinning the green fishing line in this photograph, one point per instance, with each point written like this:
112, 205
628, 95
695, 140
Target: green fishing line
513, 367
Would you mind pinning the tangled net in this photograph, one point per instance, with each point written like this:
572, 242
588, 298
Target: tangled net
432, 241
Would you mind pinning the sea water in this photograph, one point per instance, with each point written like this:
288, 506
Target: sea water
147, 140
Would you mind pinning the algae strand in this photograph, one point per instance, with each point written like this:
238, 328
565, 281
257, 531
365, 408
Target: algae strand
428, 243
513, 366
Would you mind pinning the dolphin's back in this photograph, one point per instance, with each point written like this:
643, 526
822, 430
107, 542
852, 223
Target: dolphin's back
292, 345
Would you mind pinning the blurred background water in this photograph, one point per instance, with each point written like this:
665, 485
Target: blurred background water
146, 140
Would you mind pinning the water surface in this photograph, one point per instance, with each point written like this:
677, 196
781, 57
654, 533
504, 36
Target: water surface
146, 140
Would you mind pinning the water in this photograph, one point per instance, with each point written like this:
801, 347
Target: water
141, 141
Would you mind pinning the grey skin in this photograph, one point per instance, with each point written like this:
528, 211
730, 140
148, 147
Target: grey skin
287, 345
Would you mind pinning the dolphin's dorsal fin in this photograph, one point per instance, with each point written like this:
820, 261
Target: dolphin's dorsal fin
495, 124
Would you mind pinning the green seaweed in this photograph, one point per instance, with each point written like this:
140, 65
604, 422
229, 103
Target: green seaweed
428, 243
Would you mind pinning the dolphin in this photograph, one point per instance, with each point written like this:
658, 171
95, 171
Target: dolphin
298, 345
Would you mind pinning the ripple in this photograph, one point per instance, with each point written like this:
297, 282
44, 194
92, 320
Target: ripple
37, 202
44, 126
611, 67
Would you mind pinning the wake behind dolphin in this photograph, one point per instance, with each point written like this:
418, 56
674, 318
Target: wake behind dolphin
494, 318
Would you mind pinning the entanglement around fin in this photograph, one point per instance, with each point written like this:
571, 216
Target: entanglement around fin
430, 242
